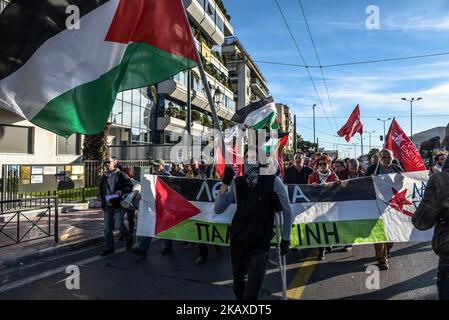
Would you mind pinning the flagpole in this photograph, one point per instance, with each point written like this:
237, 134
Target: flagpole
361, 144
208, 93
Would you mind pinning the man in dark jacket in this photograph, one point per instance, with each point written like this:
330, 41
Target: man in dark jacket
298, 173
384, 166
257, 197
434, 211
113, 184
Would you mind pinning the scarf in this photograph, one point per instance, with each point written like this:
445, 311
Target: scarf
323, 176
251, 173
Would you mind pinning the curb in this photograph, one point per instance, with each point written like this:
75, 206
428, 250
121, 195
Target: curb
48, 252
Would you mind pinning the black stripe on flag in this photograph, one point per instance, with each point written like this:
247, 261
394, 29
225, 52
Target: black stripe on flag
193, 189
348, 190
240, 115
25, 25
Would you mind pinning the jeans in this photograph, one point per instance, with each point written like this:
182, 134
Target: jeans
253, 265
131, 215
145, 242
111, 214
443, 282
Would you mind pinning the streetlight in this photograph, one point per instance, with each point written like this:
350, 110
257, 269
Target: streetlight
313, 107
411, 114
384, 120
370, 133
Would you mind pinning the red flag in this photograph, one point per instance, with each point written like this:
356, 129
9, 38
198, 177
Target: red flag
282, 142
220, 161
233, 155
403, 148
352, 126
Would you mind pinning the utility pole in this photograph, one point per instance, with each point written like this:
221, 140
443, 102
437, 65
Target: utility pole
294, 133
384, 120
370, 133
189, 114
411, 114
313, 107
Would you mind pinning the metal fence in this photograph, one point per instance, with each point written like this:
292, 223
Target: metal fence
28, 224
93, 170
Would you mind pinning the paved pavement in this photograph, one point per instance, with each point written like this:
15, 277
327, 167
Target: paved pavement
125, 276
75, 228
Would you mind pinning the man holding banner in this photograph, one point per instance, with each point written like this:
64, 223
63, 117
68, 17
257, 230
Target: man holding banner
252, 225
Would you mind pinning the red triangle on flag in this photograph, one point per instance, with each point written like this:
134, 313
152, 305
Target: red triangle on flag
171, 207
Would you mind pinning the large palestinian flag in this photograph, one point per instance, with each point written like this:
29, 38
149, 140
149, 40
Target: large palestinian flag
258, 115
359, 211
66, 79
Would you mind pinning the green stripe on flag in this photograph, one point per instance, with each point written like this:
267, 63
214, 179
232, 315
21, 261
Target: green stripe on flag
86, 108
309, 235
267, 121
316, 234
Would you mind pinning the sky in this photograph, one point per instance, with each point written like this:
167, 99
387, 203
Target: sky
340, 34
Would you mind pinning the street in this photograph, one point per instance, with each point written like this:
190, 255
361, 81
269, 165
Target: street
342, 275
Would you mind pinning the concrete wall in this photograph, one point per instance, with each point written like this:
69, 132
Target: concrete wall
44, 145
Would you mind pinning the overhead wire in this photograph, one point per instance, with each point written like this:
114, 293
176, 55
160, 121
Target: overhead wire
303, 60
319, 63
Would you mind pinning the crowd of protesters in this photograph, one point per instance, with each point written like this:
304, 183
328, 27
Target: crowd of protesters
305, 168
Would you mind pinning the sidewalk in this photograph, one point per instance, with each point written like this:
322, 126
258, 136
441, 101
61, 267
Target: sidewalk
77, 228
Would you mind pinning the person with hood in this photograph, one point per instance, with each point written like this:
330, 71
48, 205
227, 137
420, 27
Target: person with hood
257, 196
433, 211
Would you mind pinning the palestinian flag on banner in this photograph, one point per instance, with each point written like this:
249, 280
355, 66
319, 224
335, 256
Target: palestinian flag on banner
258, 115
358, 211
65, 78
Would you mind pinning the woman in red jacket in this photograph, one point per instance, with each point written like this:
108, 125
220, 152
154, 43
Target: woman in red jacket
323, 174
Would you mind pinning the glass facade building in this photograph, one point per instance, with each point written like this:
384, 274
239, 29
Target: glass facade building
132, 109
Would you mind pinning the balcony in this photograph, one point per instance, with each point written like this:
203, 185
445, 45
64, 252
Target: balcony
259, 88
208, 15
178, 91
180, 126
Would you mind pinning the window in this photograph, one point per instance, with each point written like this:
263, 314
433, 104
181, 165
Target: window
136, 97
220, 23
117, 112
71, 146
127, 114
127, 96
15, 139
210, 10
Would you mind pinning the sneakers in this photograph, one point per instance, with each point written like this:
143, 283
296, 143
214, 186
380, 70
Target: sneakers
321, 255
200, 260
347, 248
383, 266
107, 252
138, 252
166, 251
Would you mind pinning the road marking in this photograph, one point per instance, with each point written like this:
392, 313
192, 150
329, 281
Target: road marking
297, 286
52, 272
